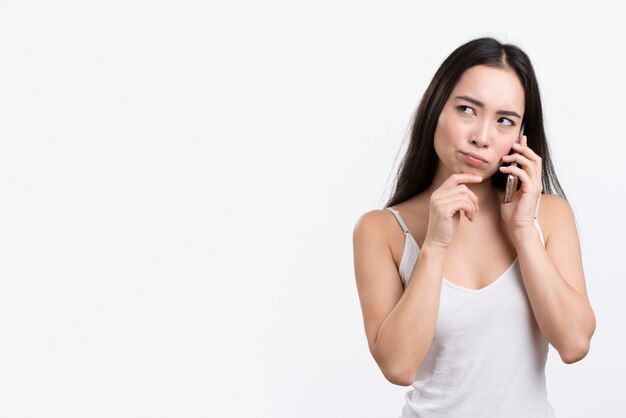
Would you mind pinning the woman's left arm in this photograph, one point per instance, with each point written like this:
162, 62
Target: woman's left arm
555, 281
553, 275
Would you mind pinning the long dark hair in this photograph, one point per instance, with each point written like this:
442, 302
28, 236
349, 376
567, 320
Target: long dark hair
418, 167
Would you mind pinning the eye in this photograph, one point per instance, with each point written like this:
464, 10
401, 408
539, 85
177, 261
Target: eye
510, 122
463, 107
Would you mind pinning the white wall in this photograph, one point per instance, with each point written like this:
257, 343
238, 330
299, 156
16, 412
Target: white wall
180, 181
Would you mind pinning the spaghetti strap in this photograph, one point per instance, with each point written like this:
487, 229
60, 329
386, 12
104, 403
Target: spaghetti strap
537, 207
400, 220
536, 222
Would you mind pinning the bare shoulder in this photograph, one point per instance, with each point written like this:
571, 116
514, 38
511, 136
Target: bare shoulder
373, 223
553, 210
553, 201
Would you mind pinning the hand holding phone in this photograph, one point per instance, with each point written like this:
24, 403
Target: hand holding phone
512, 180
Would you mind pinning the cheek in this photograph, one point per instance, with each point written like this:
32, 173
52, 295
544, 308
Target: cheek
505, 149
449, 129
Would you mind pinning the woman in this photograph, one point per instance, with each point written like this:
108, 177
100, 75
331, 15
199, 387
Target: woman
460, 292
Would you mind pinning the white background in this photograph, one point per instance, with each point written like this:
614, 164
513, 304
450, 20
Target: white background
179, 182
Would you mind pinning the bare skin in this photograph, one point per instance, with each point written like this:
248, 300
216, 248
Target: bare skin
469, 237
480, 251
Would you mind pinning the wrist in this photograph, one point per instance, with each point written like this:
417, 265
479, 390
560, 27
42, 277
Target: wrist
523, 233
433, 250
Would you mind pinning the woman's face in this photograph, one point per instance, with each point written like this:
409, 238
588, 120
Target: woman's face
482, 116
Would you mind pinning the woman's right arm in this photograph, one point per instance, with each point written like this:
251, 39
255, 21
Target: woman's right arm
399, 325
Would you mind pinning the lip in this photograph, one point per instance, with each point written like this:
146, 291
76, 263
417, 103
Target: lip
474, 158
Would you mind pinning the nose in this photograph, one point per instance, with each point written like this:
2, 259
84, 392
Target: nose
480, 137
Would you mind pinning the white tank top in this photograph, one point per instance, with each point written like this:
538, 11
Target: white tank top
487, 357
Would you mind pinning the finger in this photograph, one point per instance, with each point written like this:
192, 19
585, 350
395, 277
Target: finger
518, 158
516, 171
453, 204
533, 168
460, 178
461, 189
525, 150
471, 196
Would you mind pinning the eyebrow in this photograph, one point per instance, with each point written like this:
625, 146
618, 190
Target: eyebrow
480, 104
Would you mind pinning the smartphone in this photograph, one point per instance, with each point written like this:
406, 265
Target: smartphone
512, 180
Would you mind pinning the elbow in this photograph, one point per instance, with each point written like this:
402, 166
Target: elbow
396, 372
574, 355
399, 375
578, 348
401, 378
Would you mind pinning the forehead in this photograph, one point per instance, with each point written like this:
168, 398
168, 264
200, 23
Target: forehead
497, 88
